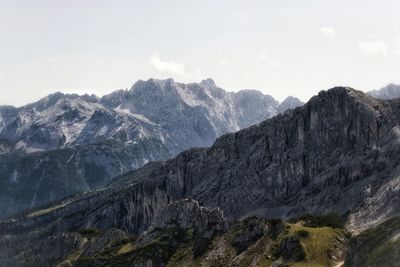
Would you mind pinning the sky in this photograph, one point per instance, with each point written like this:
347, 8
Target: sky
285, 47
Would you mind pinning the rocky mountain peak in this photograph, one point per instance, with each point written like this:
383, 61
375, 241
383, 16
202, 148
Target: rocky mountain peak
153, 120
210, 83
347, 96
153, 83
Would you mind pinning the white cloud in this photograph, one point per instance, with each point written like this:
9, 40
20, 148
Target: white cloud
328, 32
169, 67
371, 48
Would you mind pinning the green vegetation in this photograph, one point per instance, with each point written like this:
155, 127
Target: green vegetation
263, 242
320, 244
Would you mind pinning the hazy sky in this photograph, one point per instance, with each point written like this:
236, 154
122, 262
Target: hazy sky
280, 47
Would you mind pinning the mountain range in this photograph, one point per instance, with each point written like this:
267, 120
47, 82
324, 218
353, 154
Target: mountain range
324, 173
65, 143
388, 92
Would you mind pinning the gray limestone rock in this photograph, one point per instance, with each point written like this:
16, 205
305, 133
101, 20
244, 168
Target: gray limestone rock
66, 143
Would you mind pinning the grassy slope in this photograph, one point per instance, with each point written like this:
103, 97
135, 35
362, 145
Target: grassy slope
316, 247
293, 244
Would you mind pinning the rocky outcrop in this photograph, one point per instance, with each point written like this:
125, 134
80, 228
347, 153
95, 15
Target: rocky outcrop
68, 143
378, 246
101, 241
187, 214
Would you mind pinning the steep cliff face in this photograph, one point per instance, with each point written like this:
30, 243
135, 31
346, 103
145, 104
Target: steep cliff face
332, 155
67, 143
337, 154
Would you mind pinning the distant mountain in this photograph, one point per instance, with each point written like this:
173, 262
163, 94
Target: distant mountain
388, 92
67, 143
338, 154
289, 103
195, 114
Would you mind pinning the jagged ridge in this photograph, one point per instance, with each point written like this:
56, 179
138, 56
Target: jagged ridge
65, 143
336, 154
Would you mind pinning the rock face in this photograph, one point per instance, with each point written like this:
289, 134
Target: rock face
65, 144
339, 154
35, 179
5, 147
388, 92
188, 214
379, 246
